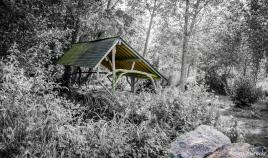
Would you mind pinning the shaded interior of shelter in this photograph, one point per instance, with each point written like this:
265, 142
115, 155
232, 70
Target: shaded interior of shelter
124, 59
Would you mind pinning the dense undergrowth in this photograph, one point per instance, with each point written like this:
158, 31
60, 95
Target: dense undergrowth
35, 121
245, 93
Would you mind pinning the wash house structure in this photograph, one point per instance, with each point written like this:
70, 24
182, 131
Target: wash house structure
114, 55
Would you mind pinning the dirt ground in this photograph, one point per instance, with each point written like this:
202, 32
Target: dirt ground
253, 121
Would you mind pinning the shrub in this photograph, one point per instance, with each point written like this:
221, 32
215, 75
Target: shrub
172, 110
145, 86
216, 83
244, 93
96, 105
30, 113
36, 122
263, 86
229, 126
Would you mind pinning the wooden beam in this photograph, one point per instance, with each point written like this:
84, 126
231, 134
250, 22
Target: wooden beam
113, 68
79, 75
133, 64
124, 72
90, 72
104, 87
98, 73
128, 59
128, 81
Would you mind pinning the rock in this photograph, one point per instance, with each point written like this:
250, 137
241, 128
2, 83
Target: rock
199, 143
261, 151
237, 150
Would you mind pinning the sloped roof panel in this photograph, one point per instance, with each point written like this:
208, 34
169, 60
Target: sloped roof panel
87, 54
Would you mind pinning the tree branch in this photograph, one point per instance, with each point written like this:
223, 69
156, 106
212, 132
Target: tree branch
115, 4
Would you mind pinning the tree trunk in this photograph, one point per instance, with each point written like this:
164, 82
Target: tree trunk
65, 80
184, 48
156, 61
245, 68
266, 67
256, 70
149, 30
196, 11
108, 4
194, 68
255, 38
75, 25
189, 70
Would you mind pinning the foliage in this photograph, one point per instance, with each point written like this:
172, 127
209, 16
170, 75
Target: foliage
172, 110
145, 86
216, 83
36, 122
257, 33
30, 112
229, 127
244, 92
96, 105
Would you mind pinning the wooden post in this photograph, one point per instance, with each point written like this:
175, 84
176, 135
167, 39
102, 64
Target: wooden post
114, 75
132, 83
98, 73
79, 76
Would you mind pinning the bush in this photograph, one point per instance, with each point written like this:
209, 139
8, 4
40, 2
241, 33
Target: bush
95, 105
145, 86
244, 93
172, 110
263, 86
229, 126
216, 83
36, 122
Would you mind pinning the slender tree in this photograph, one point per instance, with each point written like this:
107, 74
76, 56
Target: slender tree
184, 47
190, 19
152, 15
256, 36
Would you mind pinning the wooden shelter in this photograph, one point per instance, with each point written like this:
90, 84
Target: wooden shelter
115, 55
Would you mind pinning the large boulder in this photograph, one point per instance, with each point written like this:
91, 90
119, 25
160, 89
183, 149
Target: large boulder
238, 150
199, 143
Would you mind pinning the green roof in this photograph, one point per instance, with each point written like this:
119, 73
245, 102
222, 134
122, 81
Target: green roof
87, 54
91, 54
